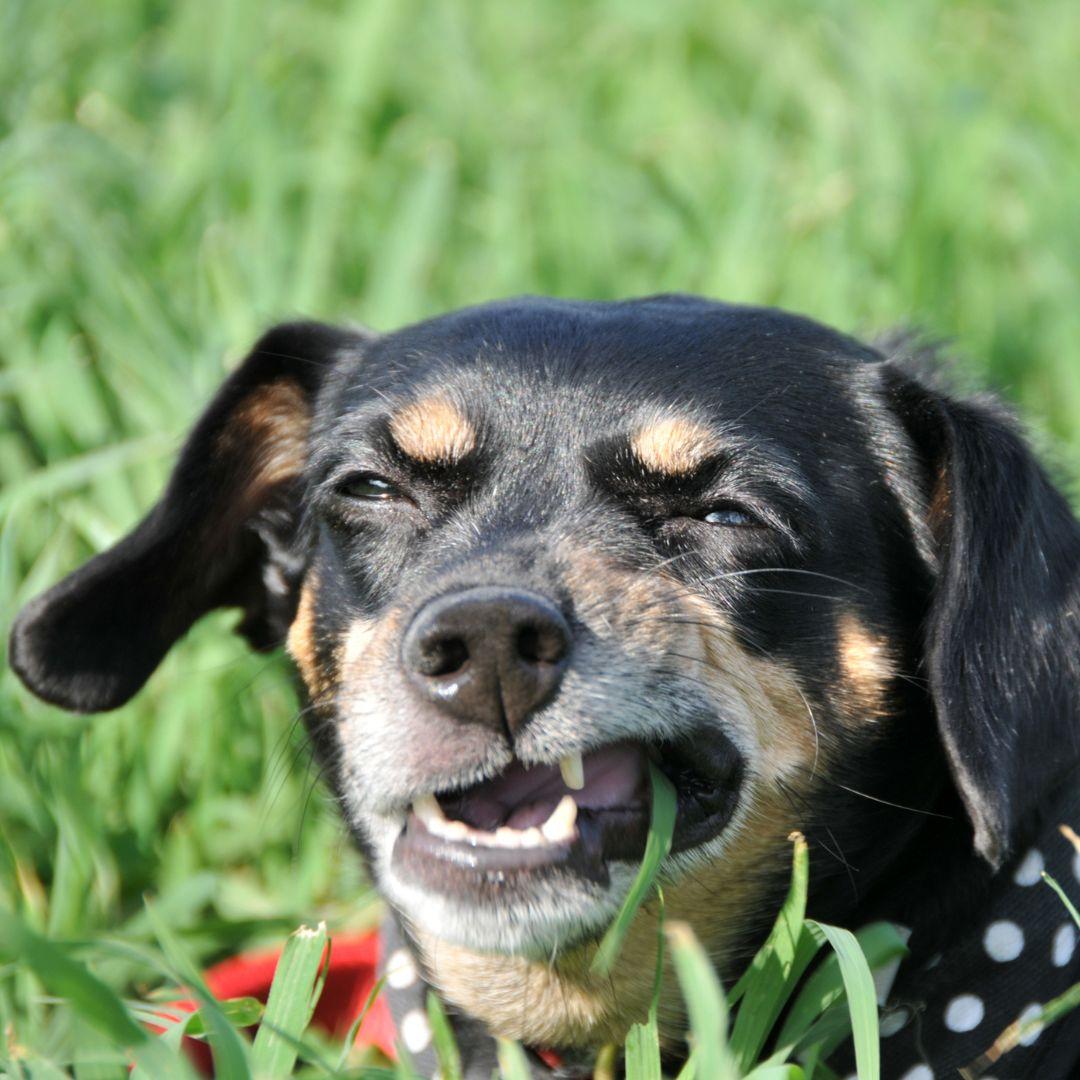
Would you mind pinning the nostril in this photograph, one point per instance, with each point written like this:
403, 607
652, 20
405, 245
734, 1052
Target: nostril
540, 645
442, 656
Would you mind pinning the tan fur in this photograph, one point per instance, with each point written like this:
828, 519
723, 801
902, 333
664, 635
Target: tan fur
433, 429
559, 1001
300, 642
673, 445
268, 433
357, 642
867, 664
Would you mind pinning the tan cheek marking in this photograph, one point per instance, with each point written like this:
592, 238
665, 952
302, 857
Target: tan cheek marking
568, 1005
356, 644
867, 663
433, 429
778, 721
300, 642
673, 445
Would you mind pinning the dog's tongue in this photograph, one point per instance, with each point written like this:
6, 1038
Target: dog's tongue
521, 796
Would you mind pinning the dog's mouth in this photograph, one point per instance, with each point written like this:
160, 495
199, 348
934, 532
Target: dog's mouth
577, 816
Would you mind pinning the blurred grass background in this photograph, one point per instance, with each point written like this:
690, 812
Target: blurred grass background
175, 176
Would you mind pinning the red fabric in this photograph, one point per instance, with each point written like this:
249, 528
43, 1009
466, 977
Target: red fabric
354, 961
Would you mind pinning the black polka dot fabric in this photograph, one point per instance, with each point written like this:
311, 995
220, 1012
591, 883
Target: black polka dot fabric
945, 1011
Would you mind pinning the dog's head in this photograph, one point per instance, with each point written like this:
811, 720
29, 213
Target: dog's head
520, 551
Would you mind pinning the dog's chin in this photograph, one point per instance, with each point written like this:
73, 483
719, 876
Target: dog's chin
538, 922
539, 858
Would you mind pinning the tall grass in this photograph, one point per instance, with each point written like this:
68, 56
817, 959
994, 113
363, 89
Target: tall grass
175, 176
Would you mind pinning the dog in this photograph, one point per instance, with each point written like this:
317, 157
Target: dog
521, 551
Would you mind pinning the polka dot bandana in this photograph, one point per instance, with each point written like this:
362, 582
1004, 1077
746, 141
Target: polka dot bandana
1019, 950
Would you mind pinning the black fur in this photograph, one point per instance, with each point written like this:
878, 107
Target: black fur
879, 493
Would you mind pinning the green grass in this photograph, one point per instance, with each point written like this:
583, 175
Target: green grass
175, 176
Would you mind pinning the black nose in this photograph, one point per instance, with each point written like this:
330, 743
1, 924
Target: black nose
487, 655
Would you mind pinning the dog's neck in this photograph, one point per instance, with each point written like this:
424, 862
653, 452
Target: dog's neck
966, 979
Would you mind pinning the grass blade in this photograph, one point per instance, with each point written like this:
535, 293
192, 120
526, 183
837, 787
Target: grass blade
91, 999
880, 943
442, 1035
513, 1064
777, 967
1070, 907
861, 999
661, 827
290, 1003
643, 1052
229, 1049
705, 1005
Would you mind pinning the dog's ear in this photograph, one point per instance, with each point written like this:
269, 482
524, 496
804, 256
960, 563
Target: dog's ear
221, 536
1002, 636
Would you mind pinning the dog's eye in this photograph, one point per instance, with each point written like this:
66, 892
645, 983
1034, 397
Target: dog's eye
730, 516
369, 487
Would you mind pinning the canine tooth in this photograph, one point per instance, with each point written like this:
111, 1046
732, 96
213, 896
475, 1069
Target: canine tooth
428, 810
560, 823
573, 771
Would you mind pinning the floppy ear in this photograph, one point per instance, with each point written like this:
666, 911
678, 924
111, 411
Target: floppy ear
1002, 638
221, 536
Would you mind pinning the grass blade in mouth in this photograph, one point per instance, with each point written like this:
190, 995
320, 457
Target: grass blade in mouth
661, 829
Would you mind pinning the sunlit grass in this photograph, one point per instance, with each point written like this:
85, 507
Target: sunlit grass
175, 176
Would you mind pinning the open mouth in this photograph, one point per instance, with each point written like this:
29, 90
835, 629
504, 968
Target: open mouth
574, 817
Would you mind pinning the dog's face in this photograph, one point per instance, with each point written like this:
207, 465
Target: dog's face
534, 553
523, 551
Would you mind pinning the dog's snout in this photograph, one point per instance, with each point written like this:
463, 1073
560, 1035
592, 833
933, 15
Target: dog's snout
488, 655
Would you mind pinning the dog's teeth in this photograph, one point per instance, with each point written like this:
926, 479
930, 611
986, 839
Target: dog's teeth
573, 771
559, 826
428, 810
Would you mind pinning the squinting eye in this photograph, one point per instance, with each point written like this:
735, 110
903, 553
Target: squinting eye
729, 516
369, 487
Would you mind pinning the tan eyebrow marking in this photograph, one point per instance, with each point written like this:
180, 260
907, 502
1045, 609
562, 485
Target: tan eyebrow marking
673, 445
433, 429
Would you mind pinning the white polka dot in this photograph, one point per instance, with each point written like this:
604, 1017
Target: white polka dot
1031, 1013
894, 1021
400, 970
964, 1013
415, 1031
1064, 944
920, 1072
1003, 941
1027, 873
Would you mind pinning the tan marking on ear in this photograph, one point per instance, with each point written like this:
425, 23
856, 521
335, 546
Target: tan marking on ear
867, 664
267, 434
673, 445
570, 1006
300, 641
433, 429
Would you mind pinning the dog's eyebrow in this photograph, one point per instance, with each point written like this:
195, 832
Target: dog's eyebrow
673, 445
434, 430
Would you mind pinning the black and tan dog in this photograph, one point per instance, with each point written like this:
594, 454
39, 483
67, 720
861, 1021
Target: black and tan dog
519, 550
